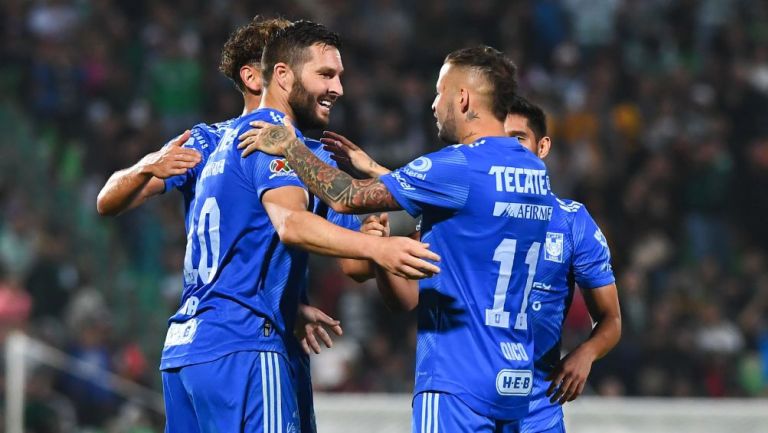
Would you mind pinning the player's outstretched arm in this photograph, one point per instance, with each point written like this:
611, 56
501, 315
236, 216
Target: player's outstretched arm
342, 192
310, 326
350, 157
130, 187
286, 207
569, 378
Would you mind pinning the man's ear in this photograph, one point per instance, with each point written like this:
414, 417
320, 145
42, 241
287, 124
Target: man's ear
463, 99
283, 75
251, 77
543, 147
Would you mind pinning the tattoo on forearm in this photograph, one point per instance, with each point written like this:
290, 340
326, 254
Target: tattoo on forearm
275, 137
334, 186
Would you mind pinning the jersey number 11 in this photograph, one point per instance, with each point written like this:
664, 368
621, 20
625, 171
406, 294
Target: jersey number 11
505, 255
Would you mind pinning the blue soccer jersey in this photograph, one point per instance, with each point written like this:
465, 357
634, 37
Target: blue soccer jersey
237, 272
485, 209
203, 138
575, 252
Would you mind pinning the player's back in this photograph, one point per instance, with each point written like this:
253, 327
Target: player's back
204, 138
236, 269
474, 336
575, 251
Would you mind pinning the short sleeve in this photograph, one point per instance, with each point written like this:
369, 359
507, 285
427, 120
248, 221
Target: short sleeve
201, 141
270, 172
437, 179
592, 257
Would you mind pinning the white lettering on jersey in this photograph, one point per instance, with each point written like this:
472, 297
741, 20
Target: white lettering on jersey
522, 211
181, 333
520, 180
514, 382
514, 351
213, 168
190, 306
403, 183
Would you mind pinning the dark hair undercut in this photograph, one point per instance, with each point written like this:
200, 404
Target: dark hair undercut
499, 70
245, 46
290, 45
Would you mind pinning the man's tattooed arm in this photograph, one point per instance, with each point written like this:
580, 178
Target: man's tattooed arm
341, 191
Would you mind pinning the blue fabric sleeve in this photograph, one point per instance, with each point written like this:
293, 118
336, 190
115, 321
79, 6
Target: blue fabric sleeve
437, 179
202, 141
351, 222
592, 257
270, 172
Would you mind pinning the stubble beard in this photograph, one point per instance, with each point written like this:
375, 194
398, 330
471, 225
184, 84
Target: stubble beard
303, 105
447, 130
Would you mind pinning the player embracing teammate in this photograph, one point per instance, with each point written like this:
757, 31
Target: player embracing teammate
483, 201
487, 211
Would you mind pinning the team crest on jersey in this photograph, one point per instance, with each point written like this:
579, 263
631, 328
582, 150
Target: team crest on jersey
553, 247
279, 167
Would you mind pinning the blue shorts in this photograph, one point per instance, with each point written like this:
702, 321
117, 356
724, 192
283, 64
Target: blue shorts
303, 389
435, 412
243, 392
543, 416
553, 426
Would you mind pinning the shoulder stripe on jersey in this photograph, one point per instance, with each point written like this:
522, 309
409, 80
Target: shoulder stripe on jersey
569, 207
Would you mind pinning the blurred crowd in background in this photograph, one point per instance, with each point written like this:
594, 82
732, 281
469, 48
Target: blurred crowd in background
657, 111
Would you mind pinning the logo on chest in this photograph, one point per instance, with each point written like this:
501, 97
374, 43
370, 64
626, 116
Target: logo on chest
553, 247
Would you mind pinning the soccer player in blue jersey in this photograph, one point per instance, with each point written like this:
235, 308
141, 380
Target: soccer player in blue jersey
178, 167
225, 358
575, 253
485, 204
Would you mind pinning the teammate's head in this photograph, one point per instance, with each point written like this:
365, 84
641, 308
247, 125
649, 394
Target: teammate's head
474, 83
241, 55
528, 123
303, 63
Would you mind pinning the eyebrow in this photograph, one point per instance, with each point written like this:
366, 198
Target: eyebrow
327, 70
517, 133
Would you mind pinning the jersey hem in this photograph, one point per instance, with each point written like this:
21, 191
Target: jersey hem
178, 361
479, 405
596, 283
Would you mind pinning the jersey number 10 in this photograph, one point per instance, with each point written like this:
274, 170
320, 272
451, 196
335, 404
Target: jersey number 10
211, 215
505, 255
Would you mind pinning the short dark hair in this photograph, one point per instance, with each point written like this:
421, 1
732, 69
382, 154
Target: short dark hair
290, 44
246, 45
498, 69
537, 119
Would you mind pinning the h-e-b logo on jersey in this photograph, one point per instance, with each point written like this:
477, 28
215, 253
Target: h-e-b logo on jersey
553, 247
280, 167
